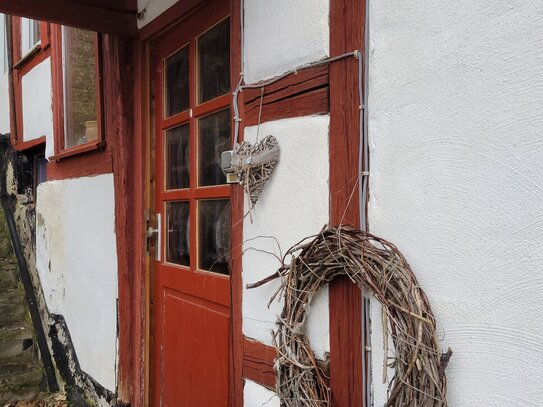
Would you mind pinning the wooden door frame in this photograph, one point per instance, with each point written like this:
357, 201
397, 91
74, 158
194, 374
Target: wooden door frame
346, 335
139, 388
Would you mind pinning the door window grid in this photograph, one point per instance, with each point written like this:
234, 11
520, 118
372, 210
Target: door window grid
201, 186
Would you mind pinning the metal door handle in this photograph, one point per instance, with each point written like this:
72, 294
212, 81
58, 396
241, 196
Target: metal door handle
151, 232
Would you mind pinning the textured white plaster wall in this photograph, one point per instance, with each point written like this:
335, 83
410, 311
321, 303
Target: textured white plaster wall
152, 9
38, 103
77, 263
293, 205
255, 395
455, 102
284, 34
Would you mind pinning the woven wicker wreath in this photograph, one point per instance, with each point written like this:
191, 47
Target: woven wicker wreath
375, 264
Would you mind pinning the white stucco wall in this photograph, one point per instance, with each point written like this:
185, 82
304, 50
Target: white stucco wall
455, 102
38, 103
293, 205
283, 34
255, 395
77, 264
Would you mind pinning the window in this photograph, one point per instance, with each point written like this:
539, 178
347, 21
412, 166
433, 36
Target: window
29, 48
195, 126
30, 35
77, 89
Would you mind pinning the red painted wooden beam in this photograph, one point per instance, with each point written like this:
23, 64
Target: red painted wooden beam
347, 18
76, 14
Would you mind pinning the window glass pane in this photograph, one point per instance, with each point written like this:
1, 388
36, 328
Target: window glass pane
214, 138
79, 74
177, 82
177, 157
214, 236
177, 233
30, 34
214, 62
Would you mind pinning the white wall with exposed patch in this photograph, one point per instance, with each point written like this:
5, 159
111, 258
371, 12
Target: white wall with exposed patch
293, 205
455, 102
76, 259
255, 395
283, 34
37, 94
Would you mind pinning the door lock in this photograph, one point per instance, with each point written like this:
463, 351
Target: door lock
151, 232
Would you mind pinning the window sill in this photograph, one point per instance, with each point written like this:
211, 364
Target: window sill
28, 145
30, 54
84, 148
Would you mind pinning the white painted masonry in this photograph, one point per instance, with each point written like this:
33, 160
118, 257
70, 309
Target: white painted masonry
255, 395
4, 80
37, 94
281, 35
77, 263
293, 205
455, 102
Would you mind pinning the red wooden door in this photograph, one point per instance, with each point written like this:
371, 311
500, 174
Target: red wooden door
191, 304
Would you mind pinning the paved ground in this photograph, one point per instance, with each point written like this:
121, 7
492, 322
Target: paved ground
50, 400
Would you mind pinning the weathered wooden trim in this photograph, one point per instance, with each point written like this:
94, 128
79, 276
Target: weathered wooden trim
302, 94
346, 317
237, 205
76, 14
29, 145
258, 362
127, 176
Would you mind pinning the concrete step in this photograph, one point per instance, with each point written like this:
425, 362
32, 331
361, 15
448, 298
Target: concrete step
13, 306
18, 363
21, 382
15, 346
8, 275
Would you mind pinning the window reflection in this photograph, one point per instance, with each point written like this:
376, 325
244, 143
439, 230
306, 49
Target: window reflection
214, 235
177, 233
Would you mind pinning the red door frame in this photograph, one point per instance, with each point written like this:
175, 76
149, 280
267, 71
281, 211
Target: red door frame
134, 317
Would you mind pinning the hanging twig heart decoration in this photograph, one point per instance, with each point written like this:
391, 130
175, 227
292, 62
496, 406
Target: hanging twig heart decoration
254, 165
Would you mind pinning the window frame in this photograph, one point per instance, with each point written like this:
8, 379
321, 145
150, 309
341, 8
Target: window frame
60, 149
18, 66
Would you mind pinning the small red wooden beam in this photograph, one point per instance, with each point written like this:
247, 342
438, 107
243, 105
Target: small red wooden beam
87, 16
302, 94
258, 363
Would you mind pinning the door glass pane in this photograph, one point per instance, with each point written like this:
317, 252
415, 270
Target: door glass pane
177, 82
177, 233
214, 138
177, 157
214, 62
214, 236
79, 73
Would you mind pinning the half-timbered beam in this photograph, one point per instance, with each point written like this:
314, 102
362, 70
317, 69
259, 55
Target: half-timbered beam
87, 16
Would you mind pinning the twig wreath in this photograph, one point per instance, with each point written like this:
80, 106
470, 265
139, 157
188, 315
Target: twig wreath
373, 263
